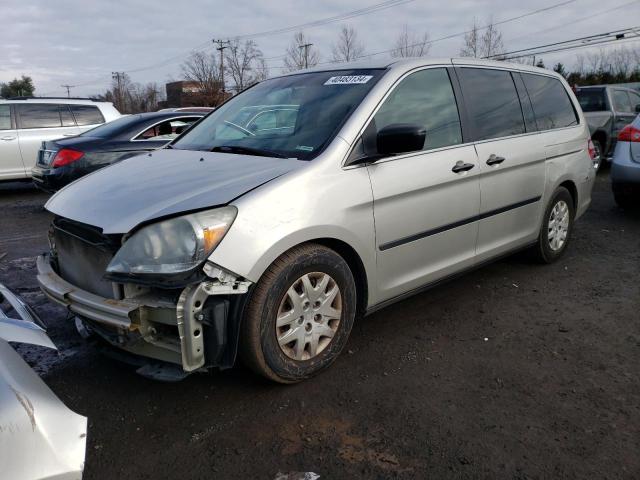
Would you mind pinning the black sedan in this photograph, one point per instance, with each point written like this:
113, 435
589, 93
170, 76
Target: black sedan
62, 161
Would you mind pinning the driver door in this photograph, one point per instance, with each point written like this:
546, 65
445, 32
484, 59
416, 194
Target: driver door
425, 207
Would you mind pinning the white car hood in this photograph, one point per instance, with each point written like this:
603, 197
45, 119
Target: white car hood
164, 183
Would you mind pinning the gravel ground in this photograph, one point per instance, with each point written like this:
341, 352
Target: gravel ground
513, 371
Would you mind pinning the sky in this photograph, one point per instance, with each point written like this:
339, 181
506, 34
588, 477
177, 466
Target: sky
80, 42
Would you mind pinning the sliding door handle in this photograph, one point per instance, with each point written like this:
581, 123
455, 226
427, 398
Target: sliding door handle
460, 166
8, 138
495, 160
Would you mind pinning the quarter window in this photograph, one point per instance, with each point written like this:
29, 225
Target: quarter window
39, 116
551, 104
621, 101
87, 114
635, 101
424, 98
5, 117
493, 102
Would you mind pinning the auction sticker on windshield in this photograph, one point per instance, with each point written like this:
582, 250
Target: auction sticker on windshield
348, 79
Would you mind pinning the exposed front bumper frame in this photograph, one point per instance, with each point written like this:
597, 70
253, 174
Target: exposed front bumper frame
135, 317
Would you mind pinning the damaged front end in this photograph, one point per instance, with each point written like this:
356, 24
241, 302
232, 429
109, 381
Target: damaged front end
191, 321
40, 438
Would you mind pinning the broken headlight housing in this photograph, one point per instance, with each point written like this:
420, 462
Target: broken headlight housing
173, 246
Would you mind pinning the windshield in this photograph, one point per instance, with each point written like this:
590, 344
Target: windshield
294, 116
592, 99
107, 130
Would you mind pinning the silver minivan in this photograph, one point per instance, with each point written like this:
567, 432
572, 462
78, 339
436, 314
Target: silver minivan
313, 199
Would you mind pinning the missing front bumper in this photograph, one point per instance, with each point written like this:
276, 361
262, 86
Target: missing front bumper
192, 331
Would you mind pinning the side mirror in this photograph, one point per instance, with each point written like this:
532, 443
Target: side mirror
401, 138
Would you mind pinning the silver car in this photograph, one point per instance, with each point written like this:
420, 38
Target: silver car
625, 166
358, 186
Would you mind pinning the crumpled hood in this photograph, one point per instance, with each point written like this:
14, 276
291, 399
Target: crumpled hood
167, 182
598, 120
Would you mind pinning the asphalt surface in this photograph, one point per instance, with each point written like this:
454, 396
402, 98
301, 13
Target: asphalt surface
515, 371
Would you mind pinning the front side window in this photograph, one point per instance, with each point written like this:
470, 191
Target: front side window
87, 114
621, 102
294, 116
167, 130
492, 101
45, 115
5, 117
551, 104
424, 98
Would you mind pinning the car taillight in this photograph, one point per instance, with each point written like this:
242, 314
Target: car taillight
629, 134
65, 157
592, 150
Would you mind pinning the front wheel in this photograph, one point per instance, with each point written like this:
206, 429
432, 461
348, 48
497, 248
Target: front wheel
557, 225
300, 314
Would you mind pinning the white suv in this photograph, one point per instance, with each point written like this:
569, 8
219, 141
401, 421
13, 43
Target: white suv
26, 122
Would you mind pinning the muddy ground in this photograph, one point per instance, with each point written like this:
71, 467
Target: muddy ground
513, 371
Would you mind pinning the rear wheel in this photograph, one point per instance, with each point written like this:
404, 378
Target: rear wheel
299, 315
597, 146
556, 227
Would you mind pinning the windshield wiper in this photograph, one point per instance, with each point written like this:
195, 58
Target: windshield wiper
260, 152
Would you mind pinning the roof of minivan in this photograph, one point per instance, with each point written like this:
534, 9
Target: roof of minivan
79, 101
409, 63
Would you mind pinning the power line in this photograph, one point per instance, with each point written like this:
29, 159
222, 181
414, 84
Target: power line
459, 34
354, 13
589, 39
337, 18
598, 43
576, 20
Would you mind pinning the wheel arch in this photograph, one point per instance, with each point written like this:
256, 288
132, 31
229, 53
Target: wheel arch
573, 190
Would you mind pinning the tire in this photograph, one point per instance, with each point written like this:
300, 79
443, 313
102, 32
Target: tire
598, 148
550, 248
263, 340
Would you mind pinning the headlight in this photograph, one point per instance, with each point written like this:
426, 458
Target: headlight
173, 246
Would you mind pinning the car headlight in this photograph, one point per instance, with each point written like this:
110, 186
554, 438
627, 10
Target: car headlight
173, 246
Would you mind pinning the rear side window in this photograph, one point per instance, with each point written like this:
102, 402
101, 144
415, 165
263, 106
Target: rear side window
424, 98
66, 117
592, 99
552, 106
621, 102
39, 115
5, 117
492, 101
87, 114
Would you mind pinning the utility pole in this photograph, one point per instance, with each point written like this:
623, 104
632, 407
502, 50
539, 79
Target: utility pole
118, 77
222, 44
68, 87
306, 53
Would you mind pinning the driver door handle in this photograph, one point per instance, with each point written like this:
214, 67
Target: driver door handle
460, 166
495, 160
8, 139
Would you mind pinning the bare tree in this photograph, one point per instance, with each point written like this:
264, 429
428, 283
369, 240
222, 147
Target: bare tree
242, 61
409, 44
203, 69
261, 70
482, 42
348, 47
300, 54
